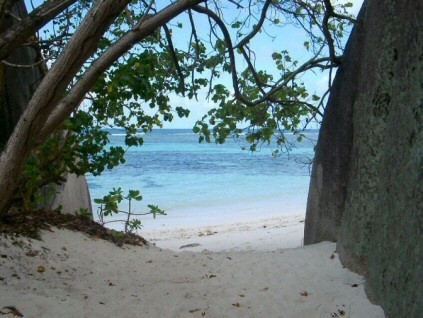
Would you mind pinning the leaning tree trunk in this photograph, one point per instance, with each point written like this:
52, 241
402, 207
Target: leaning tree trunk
18, 82
20, 74
51, 104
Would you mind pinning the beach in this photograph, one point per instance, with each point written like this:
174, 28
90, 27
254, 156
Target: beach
231, 244
254, 234
206, 184
243, 270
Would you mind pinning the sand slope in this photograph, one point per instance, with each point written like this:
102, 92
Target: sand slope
84, 277
259, 234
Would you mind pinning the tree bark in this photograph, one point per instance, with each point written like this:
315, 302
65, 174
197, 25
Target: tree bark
49, 92
17, 84
15, 35
53, 87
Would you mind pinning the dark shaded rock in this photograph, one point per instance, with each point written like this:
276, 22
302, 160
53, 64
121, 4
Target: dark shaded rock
331, 166
376, 208
382, 230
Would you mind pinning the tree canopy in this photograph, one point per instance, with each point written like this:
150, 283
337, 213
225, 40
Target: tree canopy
119, 63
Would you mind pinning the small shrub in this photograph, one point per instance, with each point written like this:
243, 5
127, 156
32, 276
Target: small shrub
109, 205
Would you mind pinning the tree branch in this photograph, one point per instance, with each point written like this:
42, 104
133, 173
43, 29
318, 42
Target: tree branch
129, 17
281, 83
246, 39
5, 6
22, 66
230, 51
175, 59
19, 32
238, 5
194, 31
328, 14
73, 99
306, 66
50, 90
253, 70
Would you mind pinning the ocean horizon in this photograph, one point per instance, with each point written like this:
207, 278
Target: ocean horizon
207, 183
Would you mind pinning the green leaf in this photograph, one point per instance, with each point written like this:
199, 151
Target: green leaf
154, 209
276, 56
236, 25
307, 45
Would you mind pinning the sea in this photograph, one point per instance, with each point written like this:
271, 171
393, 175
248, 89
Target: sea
207, 183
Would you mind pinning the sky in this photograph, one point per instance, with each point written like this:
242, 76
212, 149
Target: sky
288, 37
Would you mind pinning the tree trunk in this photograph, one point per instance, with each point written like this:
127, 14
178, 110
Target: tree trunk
48, 99
17, 84
49, 92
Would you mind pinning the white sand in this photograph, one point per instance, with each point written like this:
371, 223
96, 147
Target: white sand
86, 277
259, 234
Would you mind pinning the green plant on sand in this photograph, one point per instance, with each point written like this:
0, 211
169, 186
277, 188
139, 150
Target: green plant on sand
109, 205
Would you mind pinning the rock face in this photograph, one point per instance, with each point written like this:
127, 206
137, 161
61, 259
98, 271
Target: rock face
331, 165
73, 195
374, 177
17, 84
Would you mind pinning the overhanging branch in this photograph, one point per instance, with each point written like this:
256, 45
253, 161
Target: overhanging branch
313, 62
19, 32
175, 59
257, 28
73, 99
21, 65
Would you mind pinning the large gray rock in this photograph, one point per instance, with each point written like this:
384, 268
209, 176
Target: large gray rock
382, 227
331, 165
73, 196
377, 204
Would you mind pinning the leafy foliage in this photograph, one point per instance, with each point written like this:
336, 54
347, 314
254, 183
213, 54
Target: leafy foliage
182, 60
109, 205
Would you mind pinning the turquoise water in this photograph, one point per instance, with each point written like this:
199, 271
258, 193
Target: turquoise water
208, 184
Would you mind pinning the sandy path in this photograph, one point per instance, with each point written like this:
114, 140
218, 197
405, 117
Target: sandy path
85, 277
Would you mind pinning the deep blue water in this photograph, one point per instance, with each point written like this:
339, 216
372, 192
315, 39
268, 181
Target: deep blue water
203, 183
